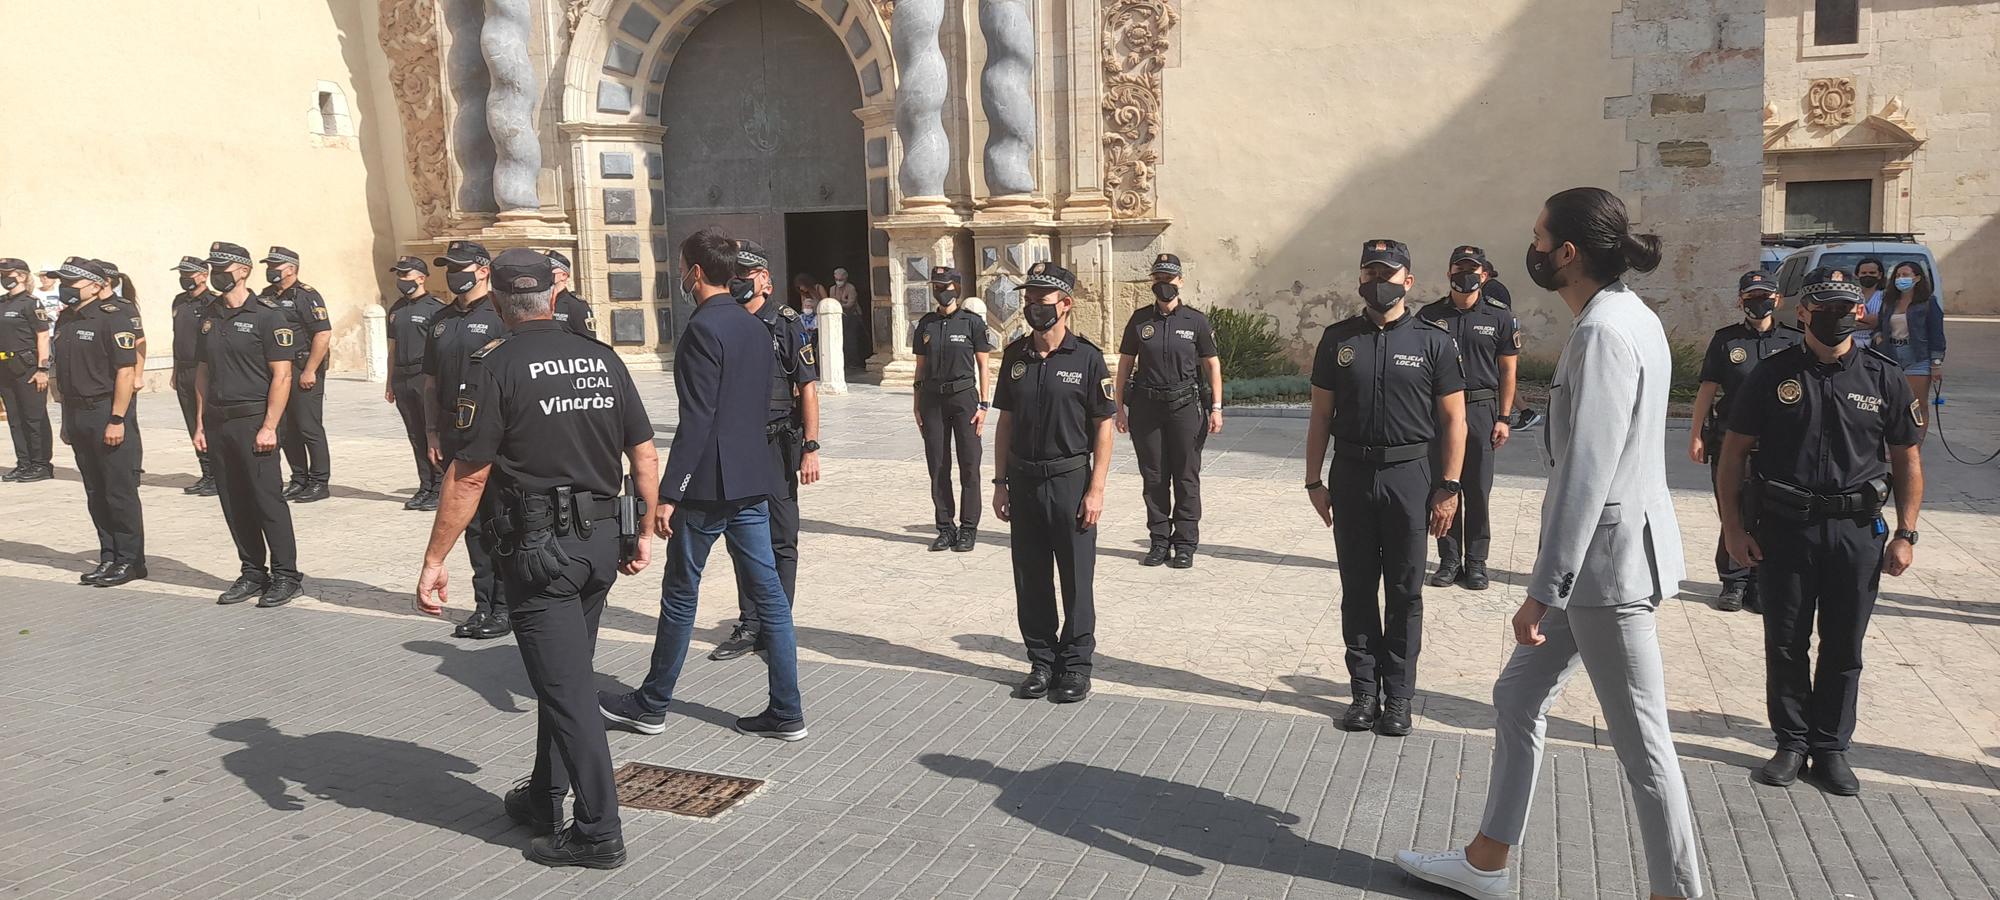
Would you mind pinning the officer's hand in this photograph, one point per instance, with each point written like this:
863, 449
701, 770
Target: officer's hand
1124, 427
919, 414
1528, 623
1443, 507
1897, 559
639, 563
1742, 547
1092, 508
200, 439
41, 380
663, 520
1322, 504
114, 435
388, 395
1215, 421
267, 440
308, 380
1000, 508
979, 422
1697, 450
431, 445
431, 589
1501, 432
809, 468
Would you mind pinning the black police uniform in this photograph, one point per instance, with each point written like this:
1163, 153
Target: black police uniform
236, 347
575, 314
1733, 354
189, 310
1053, 404
794, 367
93, 341
553, 411
21, 320
304, 434
410, 322
1483, 334
1167, 418
1386, 381
1823, 428
459, 331
947, 400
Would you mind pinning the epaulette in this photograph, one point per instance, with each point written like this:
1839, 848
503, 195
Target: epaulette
267, 301
1093, 344
1497, 304
489, 348
1434, 324
1883, 356
788, 312
110, 306
307, 288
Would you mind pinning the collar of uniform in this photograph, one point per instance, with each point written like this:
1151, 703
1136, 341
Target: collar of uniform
1408, 315
534, 325
221, 307
1068, 344
1843, 362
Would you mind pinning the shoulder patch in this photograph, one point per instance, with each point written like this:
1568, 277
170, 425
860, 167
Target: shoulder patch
1882, 356
491, 345
284, 336
788, 312
267, 301
1495, 303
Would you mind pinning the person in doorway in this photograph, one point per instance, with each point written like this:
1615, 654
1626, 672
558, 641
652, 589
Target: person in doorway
1167, 367
855, 328
952, 345
1910, 328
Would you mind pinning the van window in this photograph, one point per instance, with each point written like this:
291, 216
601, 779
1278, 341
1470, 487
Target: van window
1791, 273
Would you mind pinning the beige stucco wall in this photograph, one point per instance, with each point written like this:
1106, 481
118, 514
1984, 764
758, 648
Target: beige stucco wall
189, 123
1942, 60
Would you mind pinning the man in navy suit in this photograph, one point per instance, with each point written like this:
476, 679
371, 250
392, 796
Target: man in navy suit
720, 476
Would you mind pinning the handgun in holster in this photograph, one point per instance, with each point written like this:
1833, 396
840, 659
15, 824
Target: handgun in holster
631, 512
529, 548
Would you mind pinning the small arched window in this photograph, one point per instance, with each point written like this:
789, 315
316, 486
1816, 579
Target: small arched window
330, 116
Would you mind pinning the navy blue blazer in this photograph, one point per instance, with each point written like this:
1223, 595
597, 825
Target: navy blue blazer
722, 374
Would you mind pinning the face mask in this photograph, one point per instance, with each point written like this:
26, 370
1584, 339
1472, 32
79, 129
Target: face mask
1830, 329
1759, 306
187, 282
742, 290
945, 296
10, 282
1542, 267
1869, 281
1166, 292
1042, 316
68, 294
273, 276
839, 279
460, 283
687, 282
1905, 283
406, 288
1464, 282
1381, 295
221, 281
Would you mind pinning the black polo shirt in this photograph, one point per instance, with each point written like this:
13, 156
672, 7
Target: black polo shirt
575, 315
949, 345
1734, 352
1484, 333
93, 341
307, 310
188, 311
239, 344
1825, 426
21, 318
410, 321
550, 408
1169, 347
1386, 380
455, 334
797, 365
1054, 402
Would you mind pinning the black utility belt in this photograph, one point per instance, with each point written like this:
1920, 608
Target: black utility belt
415, 368
1042, 470
564, 510
84, 402
947, 387
239, 410
178, 364
1351, 451
783, 426
1481, 395
1174, 394
1797, 504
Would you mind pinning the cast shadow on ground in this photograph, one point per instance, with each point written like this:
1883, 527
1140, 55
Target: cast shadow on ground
921, 535
162, 569
491, 670
180, 480
1168, 826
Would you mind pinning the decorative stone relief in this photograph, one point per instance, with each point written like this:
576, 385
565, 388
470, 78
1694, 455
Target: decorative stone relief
1006, 92
510, 104
887, 9
1135, 48
573, 13
1830, 102
920, 98
410, 40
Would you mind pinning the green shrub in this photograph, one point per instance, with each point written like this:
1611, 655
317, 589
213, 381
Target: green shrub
1687, 371
1534, 370
1275, 389
1249, 346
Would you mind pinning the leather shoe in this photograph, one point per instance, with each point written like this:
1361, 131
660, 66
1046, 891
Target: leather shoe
13, 474
430, 503
1035, 686
1157, 556
42, 472
198, 485
1071, 687
1782, 770
246, 586
967, 536
1732, 597
1474, 577
91, 576
120, 574
567, 848
741, 640
1395, 720
281, 592
1183, 558
1362, 712
471, 623
417, 500
292, 489
1446, 575
206, 487
1831, 771
313, 492
496, 625
522, 808
946, 537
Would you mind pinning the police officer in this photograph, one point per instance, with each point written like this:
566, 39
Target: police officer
244, 354
24, 374
541, 424
1052, 449
189, 310
1733, 353
466, 324
1489, 345
791, 430
1160, 403
304, 434
411, 317
1837, 431
1384, 385
99, 368
571, 310
952, 344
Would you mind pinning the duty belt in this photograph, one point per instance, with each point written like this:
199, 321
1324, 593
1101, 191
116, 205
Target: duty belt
178, 364
1046, 469
515, 516
6, 355
84, 402
782, 426
1396, 453
1481, 394
945, 388
1798, 504
415, 368
239, 410
1175, 394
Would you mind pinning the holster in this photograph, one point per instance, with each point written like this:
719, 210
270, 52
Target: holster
1791, 503
1172, 397
631, 513
789, 437
15, 364
526, 528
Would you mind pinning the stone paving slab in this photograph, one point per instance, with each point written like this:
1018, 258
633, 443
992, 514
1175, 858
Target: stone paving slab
158, 746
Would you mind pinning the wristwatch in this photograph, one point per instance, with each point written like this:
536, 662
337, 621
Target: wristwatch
985, 405
1910, 536
811, 447
1001, 482
1315, 485
116, 420
1450, 486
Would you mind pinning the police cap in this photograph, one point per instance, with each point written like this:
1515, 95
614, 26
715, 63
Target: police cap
464, 253
1758, 281
523, 271
410, 264
1467, 253
1825, 286
77, 268
559, 260
751, 256
222, 253
1394, 254
191, 264
280, 256
1167, 264
10, 264
944, 275
1050, 275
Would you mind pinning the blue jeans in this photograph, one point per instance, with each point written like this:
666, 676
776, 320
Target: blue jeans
746, 529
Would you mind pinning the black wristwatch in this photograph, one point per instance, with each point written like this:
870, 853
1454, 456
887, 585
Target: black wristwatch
1000, 482
1315, 485
811, 447
1910, 536
1450, 486
116, 420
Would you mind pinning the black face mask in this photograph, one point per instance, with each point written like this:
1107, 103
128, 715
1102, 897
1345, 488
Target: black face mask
1166, 292
273, 276
68, 294
945, 296
1464, 282
742, 290
10, 282
1759, 307
187, 282
1869, 281
1381, 295
406, 287
1829, 327
461, 283
1542, 267
1042, 316
221, 281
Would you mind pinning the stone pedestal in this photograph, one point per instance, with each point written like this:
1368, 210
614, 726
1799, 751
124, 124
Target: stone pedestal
375, 324
832, 347
1003, 253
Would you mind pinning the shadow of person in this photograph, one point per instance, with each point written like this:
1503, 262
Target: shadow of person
360, 771
165, 570
493, 671
1112, 669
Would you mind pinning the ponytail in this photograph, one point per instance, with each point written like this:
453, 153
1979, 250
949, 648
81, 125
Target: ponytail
1594, 221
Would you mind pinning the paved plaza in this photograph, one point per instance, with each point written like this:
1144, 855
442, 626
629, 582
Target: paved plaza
157, 745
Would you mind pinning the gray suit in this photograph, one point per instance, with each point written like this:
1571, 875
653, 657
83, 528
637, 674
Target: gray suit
1610, 553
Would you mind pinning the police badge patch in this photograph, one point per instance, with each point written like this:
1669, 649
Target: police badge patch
319, 312
283, 336
467, 409
1020, 369
1517, 336
806, 355
1737, 355
1345, 357
1790, 390
124, 340
1106, 385
438, 331
207, 325
1146, 331
1917, 412
927, 337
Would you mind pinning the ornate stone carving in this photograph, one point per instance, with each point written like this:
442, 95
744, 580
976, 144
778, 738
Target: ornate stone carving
1830, 102
1135, 47
887, 9
410, 40
573, 13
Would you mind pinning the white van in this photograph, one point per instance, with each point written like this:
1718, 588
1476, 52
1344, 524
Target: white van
1846, 254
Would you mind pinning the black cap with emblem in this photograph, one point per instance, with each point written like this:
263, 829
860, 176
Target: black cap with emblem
1394, 254
944, 275
11, 264
1166, 264
280, 256
751, 256
522, 271
109, 268
410, 264
464, 253
1052, 276
222, 253
1467, 253
1825, 286
77, 268
1756, 281
191, 264
559, 260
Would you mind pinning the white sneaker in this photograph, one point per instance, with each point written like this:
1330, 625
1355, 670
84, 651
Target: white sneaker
1450, 870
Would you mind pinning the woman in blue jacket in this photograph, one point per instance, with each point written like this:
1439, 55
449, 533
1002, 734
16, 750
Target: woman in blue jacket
1910, 327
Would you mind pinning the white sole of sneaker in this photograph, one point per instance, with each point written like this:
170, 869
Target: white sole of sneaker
786, 736
1450, 885
641, 727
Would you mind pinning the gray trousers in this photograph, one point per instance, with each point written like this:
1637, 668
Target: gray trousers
1619, 646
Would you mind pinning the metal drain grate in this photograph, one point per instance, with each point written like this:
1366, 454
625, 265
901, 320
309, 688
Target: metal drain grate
701, 794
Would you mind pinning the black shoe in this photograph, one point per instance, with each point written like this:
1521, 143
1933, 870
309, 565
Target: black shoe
1183, 558
313, 493
1362, 712
292, 489
1831, 771
199, 485
1395, 720
623, 711
1156, 556
206, 487
496, 625
13, 474
471, 624
120, 574
967, 536
91, 576
416, 501
1474, 577
1752, 601
766, 725
1071, 687
430, 502
522, 808
742, 640
1035, 686
946, 537
1732, 597
567, 848
1446, 575
1782, 770
281, 592
42, 472
246, 586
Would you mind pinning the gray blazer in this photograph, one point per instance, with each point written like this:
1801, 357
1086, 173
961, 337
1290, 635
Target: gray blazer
1609, 535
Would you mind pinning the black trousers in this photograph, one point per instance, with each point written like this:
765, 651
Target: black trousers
946, 423
303, 435
1381, 515
1471, 534
482, 550
556, 629
784, 517
1168, 439
1830, 570
1051, 552
249, 486
110, 480
184, 390
409, 393
1726, 568
27, 418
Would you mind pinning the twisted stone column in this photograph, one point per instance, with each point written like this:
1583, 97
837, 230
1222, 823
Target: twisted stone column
510, 103
920, 96
1006, 91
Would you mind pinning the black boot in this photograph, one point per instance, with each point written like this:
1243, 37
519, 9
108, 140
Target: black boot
1157, 555
1035, 686
472, 623
1782, 770
40, 472
120, 573
206, 487
967, 537
416, 501
498, 624
1183, 558
540, 818
292, 489
946, 537
1474, 577
14, 474
567, 848
1446, 575
1071, 687
91, 576
1831, 771
430, 501
1362, 712
1395, 721
314, 492
1732, 597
